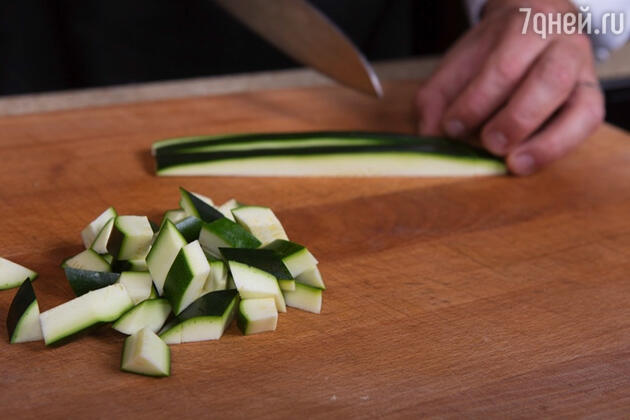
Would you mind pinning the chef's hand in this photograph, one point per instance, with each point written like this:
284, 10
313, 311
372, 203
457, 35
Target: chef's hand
527, 98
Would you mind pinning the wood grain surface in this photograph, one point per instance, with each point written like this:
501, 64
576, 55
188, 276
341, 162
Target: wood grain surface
484, 298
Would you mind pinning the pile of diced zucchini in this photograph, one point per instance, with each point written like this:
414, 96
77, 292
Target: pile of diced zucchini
182, 281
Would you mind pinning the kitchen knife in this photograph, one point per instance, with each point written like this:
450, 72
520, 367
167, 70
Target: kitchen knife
307, 35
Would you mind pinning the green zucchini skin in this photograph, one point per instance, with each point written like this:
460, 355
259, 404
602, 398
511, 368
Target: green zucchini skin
23, 299
189, 228
211, 304
205, 212
263, 259
84, 281
187, 144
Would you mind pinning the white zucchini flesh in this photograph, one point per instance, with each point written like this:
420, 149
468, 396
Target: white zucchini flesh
163, 252
286, 284
174, 215
218, 277
227, 207
88, 260
186, 277
296, 258
13, 274
312, 278
151, 314
206, 319
100, 241
305, 297
146, 354
257, 316
386, 164
101, 305
91, 230
253, 283
260, 222
138, 284
137, 236
28, 329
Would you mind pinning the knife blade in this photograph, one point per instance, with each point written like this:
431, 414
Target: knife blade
308, 36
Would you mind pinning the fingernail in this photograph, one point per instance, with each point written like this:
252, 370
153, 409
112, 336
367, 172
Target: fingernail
496, 142
523, 164
455, 128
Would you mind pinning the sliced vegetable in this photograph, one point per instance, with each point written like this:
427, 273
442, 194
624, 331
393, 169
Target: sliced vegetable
13, 275
89, 233
260, 222
275, 141
145, 353
257, 315
295, 257
187, 276
151, 314
131, 238
312, 278
139, 264
189, 228
324, 154
305, 297
88, 260
205, 319
23, 319
254, 283
163, 252
199, 206
224, 233
174, 215
100, 242
102, 305
264, 259
227, 207
138, 284
84, 281
218, 277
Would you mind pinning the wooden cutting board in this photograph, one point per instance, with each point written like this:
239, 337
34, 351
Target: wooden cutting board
491, 297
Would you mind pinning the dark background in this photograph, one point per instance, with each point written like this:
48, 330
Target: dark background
48, 45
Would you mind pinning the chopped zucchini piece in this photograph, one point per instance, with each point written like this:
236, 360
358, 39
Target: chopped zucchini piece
139, 264
84, 281
264, 259
88, 260
224, 233
23, 318
305, 297
260, 222
187, 276
174, 215
163, 253
227, 207
146, 354
102, 305
138, 284
89, 233
205, 319
199, 206
13, 275
189, 228
253, 283
257, 315
100, 242
151, 314
295, 257
131, 238
218, 277
312, 278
